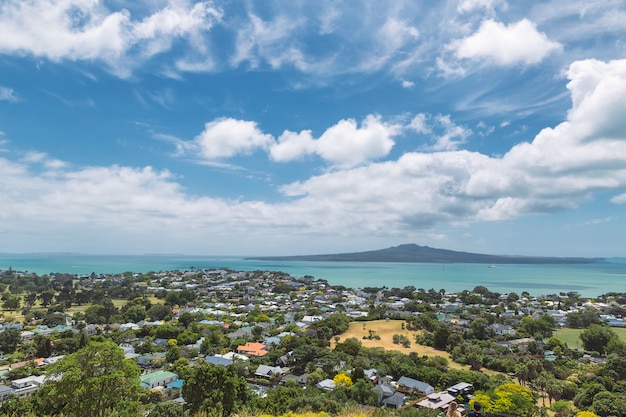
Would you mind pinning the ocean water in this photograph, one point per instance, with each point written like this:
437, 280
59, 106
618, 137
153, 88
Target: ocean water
590, 280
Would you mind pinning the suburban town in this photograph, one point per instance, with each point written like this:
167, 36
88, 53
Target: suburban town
278, 344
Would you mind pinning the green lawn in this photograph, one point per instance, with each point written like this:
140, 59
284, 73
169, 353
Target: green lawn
570, 336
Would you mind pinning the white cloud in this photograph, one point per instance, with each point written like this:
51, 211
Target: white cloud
560, 168
7, 94
619, 199
292, 146
407, 84
472, 5
445, 134
269, 42
87, 30
346, 144
43, 159
598, 91
519, 42
395, 33
452, 136
225, 138
419, 124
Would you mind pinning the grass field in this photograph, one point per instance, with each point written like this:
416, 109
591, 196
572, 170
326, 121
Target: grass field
18, 317
570, 336
386, 330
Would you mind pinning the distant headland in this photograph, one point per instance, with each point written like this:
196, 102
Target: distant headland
425, 254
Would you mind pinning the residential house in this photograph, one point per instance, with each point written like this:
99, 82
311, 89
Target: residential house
284, 360
218, 360
437, 401
300, 379
243, 333
51, 360
462, 392
234, 356
388, 396
326, 385
462, 388
157, 379
265, 371
6, 392
253, 349
149, 359
371, 374
24, 387
502, 330
414, 385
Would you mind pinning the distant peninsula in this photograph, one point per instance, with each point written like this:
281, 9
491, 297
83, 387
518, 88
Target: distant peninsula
425, 254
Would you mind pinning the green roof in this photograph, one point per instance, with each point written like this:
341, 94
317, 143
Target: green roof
156, 376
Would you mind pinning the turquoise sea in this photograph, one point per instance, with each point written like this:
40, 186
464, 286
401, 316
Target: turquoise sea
590, 280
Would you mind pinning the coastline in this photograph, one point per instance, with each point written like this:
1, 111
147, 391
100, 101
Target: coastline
589, 280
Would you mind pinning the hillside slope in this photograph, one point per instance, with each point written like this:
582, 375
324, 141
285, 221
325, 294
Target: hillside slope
425, 254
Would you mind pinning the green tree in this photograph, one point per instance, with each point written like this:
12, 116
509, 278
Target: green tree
173, 354
9, 340
94, 314
541, 327
46, 298
185, 319
607, 404
90, 382
12, 303
585, 396
616, 366
159, 312
357, 374
14, 407
596, 337
582, 320
135, 313
211, 387
440, 338
43, 346
54, 319
351, 346
364, 393
167, 409
478, 329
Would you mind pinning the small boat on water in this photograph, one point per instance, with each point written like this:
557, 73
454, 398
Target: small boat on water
492, 266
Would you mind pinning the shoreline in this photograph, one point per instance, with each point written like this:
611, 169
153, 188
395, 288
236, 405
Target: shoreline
590, 280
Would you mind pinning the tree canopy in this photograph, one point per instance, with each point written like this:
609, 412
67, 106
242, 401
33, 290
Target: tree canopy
90, 382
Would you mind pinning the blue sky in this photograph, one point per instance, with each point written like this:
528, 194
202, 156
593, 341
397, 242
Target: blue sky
303, 127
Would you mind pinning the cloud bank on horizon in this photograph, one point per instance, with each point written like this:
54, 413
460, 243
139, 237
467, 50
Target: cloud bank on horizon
209, 127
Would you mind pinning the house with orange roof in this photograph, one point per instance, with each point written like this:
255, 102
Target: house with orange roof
253, 349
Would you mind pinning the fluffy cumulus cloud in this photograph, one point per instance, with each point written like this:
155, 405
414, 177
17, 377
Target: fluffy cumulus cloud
556, 170
88, 30
293, 146
582, 156
561, 167
344, 144
519, 42
347, 144
224, 138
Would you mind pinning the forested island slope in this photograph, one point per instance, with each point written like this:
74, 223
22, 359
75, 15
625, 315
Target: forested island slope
425, 254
